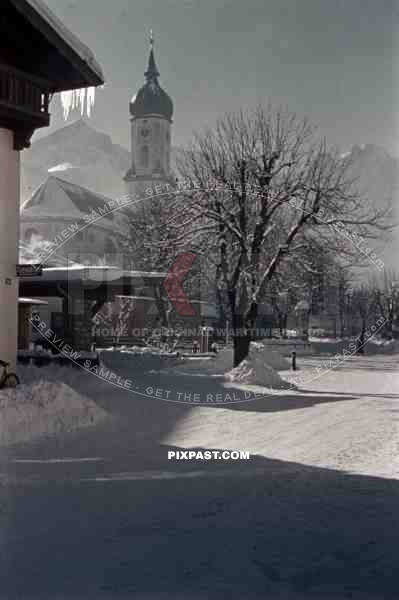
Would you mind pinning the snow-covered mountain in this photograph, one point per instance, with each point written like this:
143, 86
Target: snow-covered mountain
82, 155
378, 172
79, 154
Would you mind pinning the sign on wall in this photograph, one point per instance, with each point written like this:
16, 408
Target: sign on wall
29, 270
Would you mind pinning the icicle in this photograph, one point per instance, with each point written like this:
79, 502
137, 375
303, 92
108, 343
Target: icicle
91, 97
82, 99
66, 102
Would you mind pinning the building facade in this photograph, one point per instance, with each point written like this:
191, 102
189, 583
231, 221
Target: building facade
39, 57
58, 209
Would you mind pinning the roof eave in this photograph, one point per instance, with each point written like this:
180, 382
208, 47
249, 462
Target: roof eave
86, 69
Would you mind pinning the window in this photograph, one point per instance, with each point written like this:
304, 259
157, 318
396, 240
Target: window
110, 247
29, 233
144, 156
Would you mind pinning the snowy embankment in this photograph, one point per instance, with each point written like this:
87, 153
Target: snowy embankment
372, 345
138, 359
44, 408
287, 346
259, 368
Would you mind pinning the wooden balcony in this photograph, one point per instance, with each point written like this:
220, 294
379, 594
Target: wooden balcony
24, 103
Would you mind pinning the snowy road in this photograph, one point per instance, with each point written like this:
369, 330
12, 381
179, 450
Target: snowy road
313, 514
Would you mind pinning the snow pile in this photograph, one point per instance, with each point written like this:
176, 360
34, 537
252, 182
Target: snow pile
273, 358
44, 408
140, 350
222, 362
224, 359
261, 367
256, 369
325, 340
385, 346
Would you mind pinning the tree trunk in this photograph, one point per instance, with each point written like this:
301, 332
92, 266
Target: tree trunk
242, 331
360, 340
241, 347
341, 326
285, 322
305, 325
281, 324
389, 328
341, 318
162, 305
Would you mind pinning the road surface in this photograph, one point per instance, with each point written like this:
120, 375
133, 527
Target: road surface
312, 514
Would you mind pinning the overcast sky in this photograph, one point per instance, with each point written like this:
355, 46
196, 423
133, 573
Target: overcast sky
332, 60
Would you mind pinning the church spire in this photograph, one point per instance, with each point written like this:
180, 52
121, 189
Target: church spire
152, 72
151, 99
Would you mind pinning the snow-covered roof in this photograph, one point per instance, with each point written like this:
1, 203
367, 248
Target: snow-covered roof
57, 198
39, 14
33, 301
96, 273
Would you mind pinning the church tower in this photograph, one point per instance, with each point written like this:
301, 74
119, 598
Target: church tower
151, 111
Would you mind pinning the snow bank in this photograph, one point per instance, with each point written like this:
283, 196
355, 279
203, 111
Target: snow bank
53, 372
138, 350
372, 346
260, 368
44, 408
273, 358
223, 361
257, 369
138, 359
285, 347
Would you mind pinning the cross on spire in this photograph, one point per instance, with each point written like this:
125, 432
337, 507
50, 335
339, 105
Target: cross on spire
152, 72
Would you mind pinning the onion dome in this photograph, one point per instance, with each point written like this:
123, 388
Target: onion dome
151, 99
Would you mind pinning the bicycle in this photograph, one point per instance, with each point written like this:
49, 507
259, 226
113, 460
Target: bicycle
7, 380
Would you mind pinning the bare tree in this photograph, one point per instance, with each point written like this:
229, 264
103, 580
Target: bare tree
146, 244
342, 282
386, 296
363, 305
253, 187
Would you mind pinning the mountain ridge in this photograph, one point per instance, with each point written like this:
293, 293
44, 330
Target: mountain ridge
81, 155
